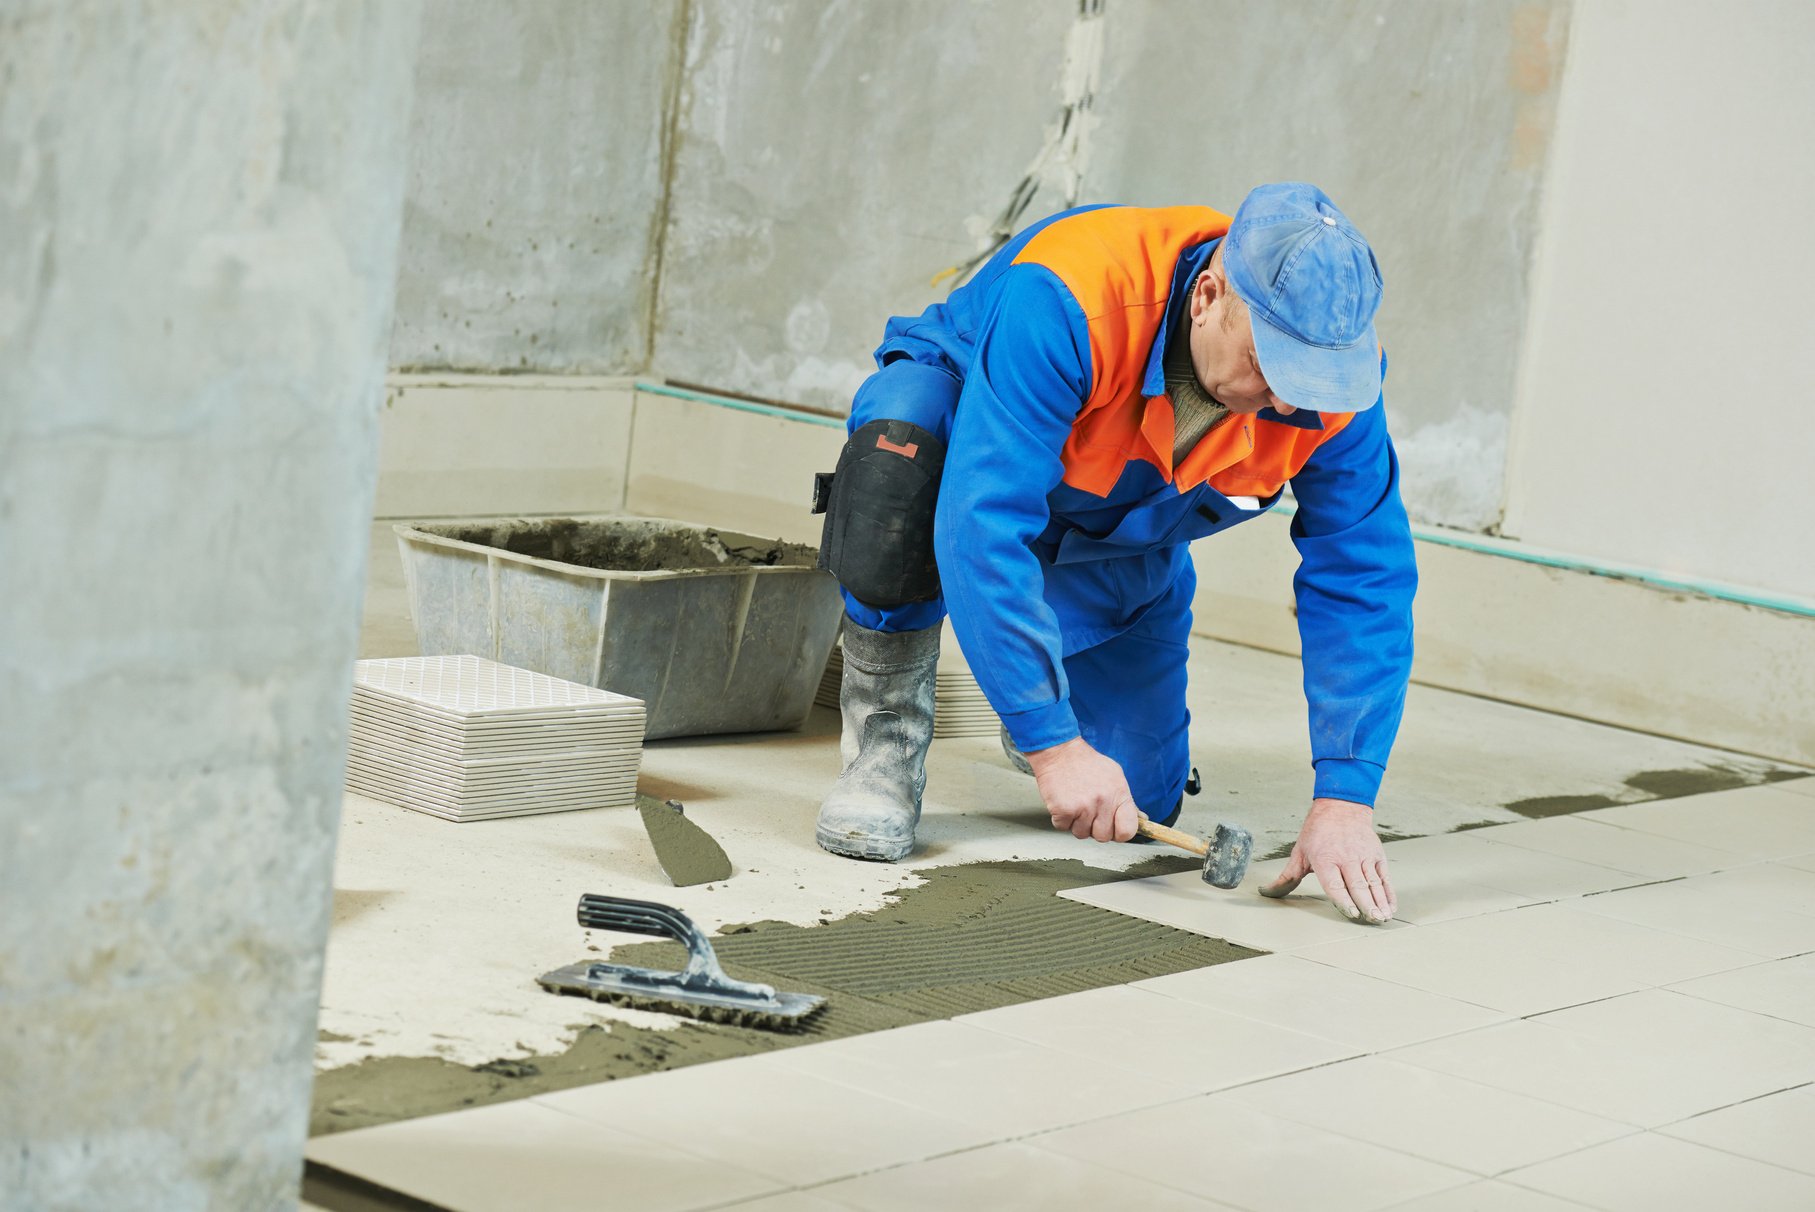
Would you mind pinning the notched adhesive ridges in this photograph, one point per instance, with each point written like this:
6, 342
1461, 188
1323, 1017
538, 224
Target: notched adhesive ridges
969, 938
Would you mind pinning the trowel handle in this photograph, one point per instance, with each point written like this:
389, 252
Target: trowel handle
635, 917
598, 912
1172, 837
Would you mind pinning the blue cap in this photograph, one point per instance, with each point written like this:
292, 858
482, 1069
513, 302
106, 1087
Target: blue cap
1312, 287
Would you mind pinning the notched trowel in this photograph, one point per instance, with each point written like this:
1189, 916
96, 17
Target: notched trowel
700, 990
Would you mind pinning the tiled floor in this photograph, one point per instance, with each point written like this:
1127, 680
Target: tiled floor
1610, 1011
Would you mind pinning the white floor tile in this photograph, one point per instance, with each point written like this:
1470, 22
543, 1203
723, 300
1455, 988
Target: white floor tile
1179, 1042
1802, 862
789, 1201
1590, 841
1006, 1086
1782, 989
761, 1116
1317, 999
1526, 961
1715, 912
1240, 915
1240, 1156
1766, 822
1008, 1177
1646, 1173
1646, 1061
1489, 1196
512, 1156
1780, 885
1429, 1114
1469, 859
1801, 786
1448, 897
1765, 1053
1778, 1128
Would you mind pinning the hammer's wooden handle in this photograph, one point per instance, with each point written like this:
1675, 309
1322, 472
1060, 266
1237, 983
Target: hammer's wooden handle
1172, 837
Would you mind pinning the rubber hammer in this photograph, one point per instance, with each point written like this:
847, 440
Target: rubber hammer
1225, 854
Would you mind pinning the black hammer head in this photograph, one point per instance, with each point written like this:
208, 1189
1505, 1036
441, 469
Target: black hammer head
1227, 860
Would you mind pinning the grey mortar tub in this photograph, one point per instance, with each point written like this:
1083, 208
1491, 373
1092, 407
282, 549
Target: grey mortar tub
715, 631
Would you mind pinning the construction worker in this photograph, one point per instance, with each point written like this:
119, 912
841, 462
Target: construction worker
1035, 454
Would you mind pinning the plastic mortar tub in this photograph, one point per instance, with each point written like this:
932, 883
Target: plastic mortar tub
715, 631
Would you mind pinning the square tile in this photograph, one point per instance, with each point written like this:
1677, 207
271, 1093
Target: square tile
1801, 786
1008, 1176
1647, 1172
1781, 886
1240, 915
1526, 961
1642, 1061
1489, 1196
1802, 862
1590, 841
1765, 1053
1765, 822
1460, 875
1778, 1128
1179, 1042
511, 1156
761, 1116
789, 1201
1429, 1114
1006, 1086
1782, 989
1290, 991
1252, 1160
1713, 912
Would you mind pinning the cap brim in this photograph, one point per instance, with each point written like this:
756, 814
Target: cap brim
1322, 380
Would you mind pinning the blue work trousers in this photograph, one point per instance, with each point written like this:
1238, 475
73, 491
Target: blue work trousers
1127, 690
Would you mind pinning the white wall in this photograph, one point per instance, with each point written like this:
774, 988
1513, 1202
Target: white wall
1666, 411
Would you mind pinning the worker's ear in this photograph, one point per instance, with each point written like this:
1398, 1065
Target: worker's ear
1203, 294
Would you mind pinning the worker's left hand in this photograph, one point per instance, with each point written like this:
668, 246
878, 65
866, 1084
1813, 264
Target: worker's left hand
1339, 845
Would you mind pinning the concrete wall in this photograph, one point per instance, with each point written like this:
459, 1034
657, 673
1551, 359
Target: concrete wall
199, 208
1664, 413
830, 159
1517, 164
1428, 123
536, 185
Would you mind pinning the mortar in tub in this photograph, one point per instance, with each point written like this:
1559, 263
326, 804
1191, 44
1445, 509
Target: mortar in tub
715, 631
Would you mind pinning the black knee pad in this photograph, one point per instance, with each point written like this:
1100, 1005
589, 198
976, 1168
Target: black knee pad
878, 537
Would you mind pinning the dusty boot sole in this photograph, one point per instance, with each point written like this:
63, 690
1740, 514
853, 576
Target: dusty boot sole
873, 849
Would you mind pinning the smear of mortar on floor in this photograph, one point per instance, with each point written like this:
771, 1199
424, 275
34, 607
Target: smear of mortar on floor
971, 937
687, 853
1648, 785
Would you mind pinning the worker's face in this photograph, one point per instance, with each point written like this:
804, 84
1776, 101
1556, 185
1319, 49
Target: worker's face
1222, 346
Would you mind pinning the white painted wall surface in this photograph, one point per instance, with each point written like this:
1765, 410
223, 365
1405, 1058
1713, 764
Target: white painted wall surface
1666, 411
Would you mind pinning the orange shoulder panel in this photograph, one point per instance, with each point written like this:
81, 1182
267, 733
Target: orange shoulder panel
1117, 263
1280, 451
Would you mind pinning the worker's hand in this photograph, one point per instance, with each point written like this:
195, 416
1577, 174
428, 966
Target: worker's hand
1086, 793
1339, 845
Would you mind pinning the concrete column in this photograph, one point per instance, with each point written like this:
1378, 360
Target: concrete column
199, 214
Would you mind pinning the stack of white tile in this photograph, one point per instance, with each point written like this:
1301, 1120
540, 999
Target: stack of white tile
467, 739
959, 708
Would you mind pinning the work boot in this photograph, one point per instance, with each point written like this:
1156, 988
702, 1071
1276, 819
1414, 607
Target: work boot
887, 704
